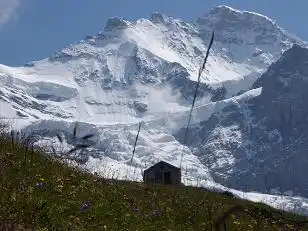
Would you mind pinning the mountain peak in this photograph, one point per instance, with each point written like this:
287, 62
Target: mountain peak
296, 60
115, 23
242, 27
287, 77
224, 10
222, 17
157, 17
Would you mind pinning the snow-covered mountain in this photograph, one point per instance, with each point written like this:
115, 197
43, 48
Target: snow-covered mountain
145, 71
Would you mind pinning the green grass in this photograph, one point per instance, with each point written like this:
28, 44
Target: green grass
114, 205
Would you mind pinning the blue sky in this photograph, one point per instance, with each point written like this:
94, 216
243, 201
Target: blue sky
34, 29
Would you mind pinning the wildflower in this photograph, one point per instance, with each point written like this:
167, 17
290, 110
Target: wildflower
85, 206
39, 184
155, 212
135, 210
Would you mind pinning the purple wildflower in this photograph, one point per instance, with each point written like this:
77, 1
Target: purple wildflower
135, 210
39, 184
85, 206
155, 212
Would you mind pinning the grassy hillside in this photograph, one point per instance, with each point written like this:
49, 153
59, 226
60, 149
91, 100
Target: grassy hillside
40, 193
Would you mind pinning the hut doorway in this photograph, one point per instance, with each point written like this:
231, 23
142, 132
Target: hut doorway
167, 178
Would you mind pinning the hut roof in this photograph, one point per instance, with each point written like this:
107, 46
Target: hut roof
162, 163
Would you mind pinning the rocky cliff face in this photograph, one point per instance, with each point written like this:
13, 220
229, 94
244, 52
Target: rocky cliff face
281, 113
261, 143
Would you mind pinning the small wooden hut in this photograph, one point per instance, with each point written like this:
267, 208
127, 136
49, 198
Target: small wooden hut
163, 173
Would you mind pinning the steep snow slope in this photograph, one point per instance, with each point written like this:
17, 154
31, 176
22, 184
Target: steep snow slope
146, 71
